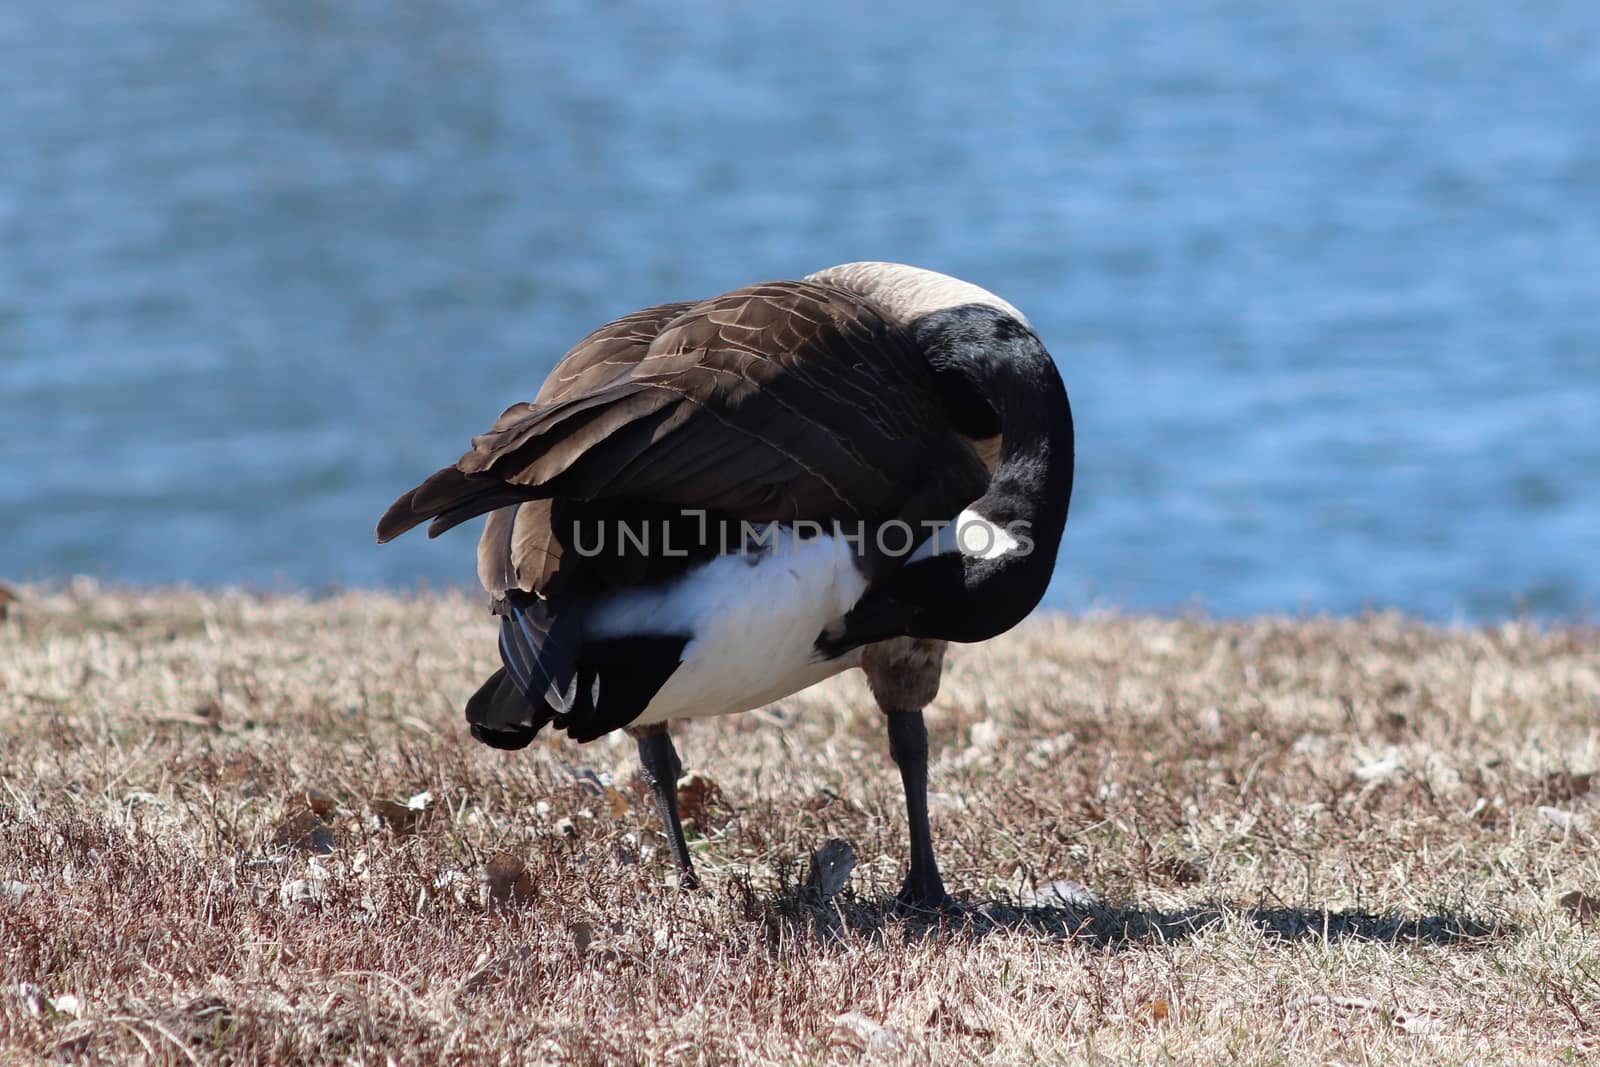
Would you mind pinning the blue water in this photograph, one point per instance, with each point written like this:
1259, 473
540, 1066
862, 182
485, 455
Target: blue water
1323, 279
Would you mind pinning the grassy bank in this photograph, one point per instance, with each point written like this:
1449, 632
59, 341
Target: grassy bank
1292, 842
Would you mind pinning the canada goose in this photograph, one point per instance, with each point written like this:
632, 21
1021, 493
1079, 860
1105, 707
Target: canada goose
711, 505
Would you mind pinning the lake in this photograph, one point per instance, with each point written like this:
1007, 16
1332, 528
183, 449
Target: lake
1323, 280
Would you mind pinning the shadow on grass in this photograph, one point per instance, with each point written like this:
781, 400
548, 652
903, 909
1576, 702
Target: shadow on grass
821, 905
1116, 928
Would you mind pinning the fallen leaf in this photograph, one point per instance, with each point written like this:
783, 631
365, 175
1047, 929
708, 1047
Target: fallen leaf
582, 936
1563, 786
617, 802
1582, 906
316, 801
506, 882
696, 793
400, 818
830, 869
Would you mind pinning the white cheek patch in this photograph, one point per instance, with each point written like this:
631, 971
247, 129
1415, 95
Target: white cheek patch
970, 534
982, 539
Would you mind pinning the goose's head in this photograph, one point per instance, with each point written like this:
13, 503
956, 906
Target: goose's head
975, 341
995, 379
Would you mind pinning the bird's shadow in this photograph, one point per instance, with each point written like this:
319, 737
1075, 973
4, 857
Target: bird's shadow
800, 911
820, 906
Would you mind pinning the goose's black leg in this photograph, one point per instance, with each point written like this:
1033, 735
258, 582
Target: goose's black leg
661, 767
908, 742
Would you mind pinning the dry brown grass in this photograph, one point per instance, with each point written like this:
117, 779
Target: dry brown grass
1308, 842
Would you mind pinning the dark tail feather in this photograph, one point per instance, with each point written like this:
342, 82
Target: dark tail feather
620, 677
542, 681
616, 685
539, 680
540, 649
501, 716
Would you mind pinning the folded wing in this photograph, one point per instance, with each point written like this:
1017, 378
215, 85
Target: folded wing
777, 402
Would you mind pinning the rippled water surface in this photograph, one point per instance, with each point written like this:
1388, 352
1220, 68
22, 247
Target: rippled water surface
1323, 280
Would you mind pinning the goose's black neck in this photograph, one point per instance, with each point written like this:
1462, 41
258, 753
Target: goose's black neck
997, 377
994, 377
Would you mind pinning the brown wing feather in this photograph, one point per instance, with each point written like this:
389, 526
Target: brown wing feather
609, 353
780, 401
722, 412
518, 549
449, 496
